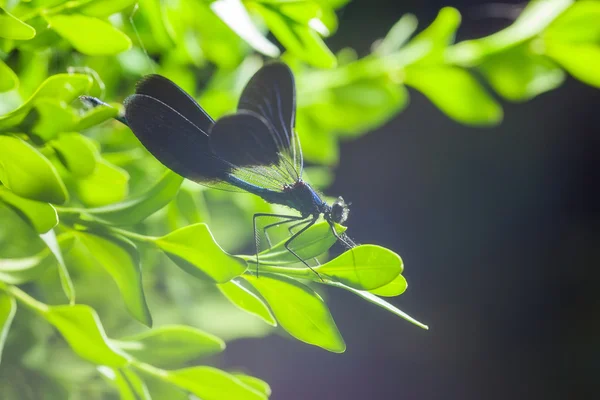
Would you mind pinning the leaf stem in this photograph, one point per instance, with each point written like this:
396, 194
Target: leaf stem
136, 237
24, 298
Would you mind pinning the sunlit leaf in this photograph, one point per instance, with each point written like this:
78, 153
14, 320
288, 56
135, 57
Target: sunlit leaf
246, 300
518, 74
8, 79
580, 60
13, 28
536, 16
95, 116
392, 289
257, 384
457, 93
300, 311
80, 326
76, 152
89, 35
299, 39
8, 308
397, 36
161, 389
208, 261
234, 14
315, 241
370, 297
122, 263
578, 24
66, 241
106, 185
103, 8
210, 384
438, 35
60, 87
364, 267
42, 216
171, 345
137, 208
25, 171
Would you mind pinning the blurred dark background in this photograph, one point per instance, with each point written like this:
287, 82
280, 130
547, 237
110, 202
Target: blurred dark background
499, 230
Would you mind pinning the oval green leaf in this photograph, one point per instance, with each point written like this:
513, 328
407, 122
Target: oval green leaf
60, 87
194, 250
257, 384
103, 8
52, 117
95, 116
42, 216
300, 311
392, 289
76, 153
80, 326
8, 308
457, 93
315, 241
171, 345
211, 384
122, 264
13, 28
582, 61
89, 35
107, 184
137, 208
25, 171
364, 267
244, 299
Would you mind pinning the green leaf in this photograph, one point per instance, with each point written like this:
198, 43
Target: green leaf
315, 241
106, 185
518, 74
95, 116
392, 289
103, 8
122, 263
255, 383
89, 35
80, 326
359, 106
578, 24
52, 117
17, 271
363, 267
457, 93
208, 261
300, 311
8, 308
161, 389
42, 216
246, 300
234, 14
580, 60
137, 208
76, 153
14, 28
532, 21
66, 241
25, 171
370, 297
211, 384
438, 35
8, 79
298, 39
171, 345
397, 36
60, 87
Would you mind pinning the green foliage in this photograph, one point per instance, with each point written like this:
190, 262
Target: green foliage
92, 227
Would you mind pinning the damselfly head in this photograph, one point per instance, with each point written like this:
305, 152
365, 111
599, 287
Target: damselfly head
339, 211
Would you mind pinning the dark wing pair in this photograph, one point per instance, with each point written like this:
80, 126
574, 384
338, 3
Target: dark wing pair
254, 148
